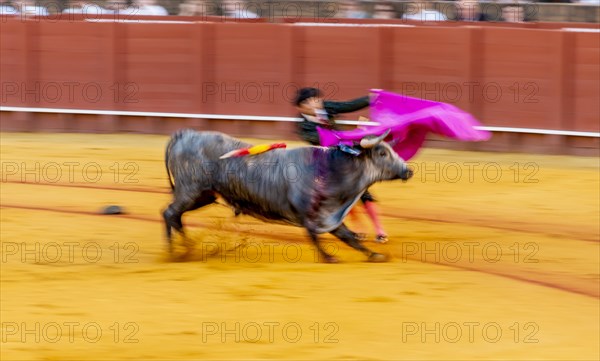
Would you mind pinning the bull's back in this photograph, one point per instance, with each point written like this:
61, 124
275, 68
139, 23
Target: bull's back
257, 185
208, 146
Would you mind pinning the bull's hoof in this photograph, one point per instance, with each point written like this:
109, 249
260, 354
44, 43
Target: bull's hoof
181, 257
377, 257
361, 237
330, 259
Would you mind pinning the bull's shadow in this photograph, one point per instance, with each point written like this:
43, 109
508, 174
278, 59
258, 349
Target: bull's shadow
191, 250
235, 242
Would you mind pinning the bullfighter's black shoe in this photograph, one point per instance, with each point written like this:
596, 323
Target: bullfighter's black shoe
381, 238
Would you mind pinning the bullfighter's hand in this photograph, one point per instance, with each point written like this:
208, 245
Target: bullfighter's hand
373, 95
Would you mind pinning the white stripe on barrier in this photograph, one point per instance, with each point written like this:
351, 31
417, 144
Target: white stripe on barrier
570, 133
139, 21
582, 30
354, 25
148, 114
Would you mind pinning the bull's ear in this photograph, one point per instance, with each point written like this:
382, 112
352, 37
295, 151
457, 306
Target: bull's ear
370, 140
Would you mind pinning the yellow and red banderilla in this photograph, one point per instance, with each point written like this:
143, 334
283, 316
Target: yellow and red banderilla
257, 149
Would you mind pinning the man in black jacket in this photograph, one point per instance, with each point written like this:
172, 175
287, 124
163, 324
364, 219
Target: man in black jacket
317, 112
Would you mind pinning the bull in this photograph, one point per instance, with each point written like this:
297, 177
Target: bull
310, 187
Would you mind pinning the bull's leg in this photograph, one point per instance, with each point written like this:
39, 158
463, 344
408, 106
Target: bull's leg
175, 211
172, 216
326, 257
352, 239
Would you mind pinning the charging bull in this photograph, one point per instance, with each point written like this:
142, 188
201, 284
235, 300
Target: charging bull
310, 187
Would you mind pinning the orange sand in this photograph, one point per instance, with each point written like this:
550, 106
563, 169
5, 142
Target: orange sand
253, 290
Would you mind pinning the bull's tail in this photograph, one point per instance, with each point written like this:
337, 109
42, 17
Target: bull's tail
172, 141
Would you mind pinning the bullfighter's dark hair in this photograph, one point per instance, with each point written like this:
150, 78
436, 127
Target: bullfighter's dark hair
306, 93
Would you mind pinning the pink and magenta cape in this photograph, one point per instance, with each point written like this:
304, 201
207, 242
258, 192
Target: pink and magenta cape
409, 120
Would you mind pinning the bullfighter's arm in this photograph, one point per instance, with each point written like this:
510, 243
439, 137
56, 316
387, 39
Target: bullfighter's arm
346, 107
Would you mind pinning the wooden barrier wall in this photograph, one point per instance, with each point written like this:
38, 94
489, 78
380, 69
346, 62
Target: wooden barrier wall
514, 77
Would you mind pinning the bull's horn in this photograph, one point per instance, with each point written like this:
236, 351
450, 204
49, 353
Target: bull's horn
370, 140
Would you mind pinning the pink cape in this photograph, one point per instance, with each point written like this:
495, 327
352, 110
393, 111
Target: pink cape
409, 120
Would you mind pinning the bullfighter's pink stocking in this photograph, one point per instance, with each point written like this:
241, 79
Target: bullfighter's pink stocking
372, 212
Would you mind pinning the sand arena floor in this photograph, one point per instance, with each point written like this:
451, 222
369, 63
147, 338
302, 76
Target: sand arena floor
499, 261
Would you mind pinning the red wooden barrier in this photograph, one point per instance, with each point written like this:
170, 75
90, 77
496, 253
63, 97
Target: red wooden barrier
584, 84
161, 67
251, 70
505, 76
433, 64
522, 70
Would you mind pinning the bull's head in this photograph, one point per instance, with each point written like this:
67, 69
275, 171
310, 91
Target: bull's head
384, 159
